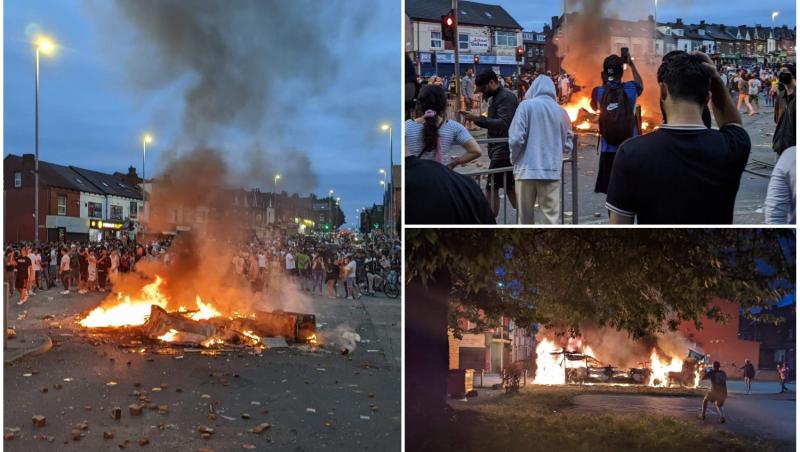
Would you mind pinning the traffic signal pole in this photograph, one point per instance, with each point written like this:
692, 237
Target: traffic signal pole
455, 62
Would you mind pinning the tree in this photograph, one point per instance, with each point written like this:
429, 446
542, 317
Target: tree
642, 281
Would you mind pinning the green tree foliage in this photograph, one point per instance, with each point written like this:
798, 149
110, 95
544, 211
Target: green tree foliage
642, 281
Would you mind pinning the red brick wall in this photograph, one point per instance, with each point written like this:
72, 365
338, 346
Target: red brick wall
721, 340
453, 350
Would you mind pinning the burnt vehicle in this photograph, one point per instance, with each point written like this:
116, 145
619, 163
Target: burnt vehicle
581, 368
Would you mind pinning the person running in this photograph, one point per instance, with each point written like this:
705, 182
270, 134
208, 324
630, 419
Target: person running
748, 372
499, 116
615, 101
719, 390
540, 134
65, 271
24, 268
684, 172
431, 136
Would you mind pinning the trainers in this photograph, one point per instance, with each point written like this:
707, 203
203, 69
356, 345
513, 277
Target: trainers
22, 302
349, 298
64, 292
81, 292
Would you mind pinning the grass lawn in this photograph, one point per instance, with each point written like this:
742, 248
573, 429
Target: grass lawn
537, 419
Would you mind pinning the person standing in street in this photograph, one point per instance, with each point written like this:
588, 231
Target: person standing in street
10, 263
540, 134
467, 92
350, 279
785, 111
615, 101
749, 373
24, 268
783, 374
754, 88
718, 393
502, 106
65, 271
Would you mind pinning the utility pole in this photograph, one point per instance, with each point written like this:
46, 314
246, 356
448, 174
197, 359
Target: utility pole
455, 61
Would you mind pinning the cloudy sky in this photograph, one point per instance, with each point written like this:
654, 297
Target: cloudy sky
306, 92
534, 14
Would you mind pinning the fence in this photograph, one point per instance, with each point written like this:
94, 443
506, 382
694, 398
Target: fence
572, 161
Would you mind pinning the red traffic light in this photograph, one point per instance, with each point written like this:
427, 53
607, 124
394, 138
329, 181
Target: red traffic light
449, 21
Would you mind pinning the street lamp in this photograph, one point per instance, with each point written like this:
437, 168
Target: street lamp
45, 45
391, 164
146, 138
275, 180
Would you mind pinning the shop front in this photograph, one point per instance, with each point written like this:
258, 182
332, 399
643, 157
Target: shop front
100, 230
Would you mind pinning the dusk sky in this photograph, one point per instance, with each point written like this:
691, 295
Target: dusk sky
532, 15
323, 89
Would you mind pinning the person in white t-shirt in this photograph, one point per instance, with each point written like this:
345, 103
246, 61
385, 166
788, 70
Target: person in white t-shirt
36, 262
352, 287
291, 268
65, 272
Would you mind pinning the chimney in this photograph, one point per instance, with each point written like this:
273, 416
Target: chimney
28, 162
547, 30
702, 23
554, 22
679, 23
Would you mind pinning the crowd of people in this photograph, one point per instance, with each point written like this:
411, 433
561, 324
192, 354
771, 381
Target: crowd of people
74, 266
340, 263
684, 172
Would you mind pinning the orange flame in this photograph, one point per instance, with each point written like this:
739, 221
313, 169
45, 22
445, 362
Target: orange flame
169, 336
574, 107
127, 311
312, 339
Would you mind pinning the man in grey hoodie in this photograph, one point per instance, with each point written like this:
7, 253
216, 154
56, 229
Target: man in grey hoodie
540, 134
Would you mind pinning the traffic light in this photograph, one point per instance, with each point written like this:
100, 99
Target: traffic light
449, 27
375, 226
326, 227
520, 54
476, 59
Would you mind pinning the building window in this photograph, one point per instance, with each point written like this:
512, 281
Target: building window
95, 210
134, 209
531, 52
463, 41
540, 37
116, 212
505, 39
62, 204
17, 179
436, 39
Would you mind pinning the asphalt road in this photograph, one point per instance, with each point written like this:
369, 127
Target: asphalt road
767, 416
313, 400
749, 207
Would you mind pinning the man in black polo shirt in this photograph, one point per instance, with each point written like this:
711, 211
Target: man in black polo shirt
682, 173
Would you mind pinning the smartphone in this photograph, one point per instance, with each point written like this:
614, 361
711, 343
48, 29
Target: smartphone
626, 55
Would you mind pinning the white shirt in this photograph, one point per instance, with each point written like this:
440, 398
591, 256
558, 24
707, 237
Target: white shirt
351, 269
289, 261
37, 261
65, 263
262, 260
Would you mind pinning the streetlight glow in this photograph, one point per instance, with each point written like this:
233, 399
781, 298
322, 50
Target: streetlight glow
382, 171
385, 127
45, 45
774, 15
148, 138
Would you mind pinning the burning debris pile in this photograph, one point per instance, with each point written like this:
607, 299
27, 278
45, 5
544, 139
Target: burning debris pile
148, 315
617, 359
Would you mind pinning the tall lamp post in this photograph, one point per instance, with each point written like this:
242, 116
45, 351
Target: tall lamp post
330, 207
275, 180
44, 45
391, 164
146, 139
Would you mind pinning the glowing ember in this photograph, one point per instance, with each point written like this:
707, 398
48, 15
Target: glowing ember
253, 337
584, 125
574, 107
169, 336
212, 341
312, 339
645, 125
127, 312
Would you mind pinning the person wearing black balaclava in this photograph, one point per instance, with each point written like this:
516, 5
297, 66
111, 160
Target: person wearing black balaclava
785, 113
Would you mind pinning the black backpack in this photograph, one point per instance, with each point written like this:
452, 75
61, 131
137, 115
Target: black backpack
617, 120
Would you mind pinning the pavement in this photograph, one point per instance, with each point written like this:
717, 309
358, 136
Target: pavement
768, 416
749, 206
313, 399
